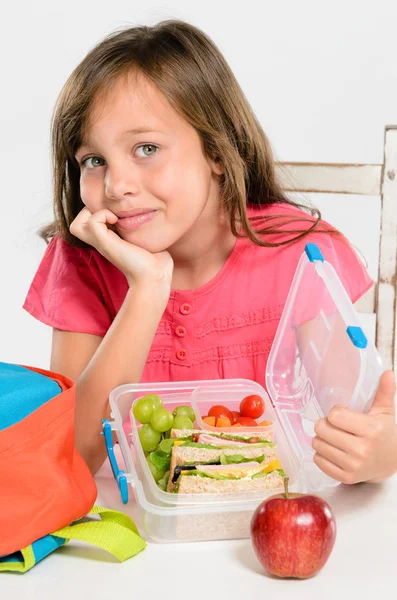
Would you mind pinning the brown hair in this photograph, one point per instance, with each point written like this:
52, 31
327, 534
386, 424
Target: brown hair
191, 72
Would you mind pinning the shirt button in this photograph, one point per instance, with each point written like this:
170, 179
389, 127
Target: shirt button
180, 331
181, 354
185, 308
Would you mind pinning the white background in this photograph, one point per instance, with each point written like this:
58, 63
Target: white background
322, 78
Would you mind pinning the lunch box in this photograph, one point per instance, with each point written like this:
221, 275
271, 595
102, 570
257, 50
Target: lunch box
320, 357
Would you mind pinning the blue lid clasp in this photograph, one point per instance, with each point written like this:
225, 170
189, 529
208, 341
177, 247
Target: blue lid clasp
357, 336
313, 252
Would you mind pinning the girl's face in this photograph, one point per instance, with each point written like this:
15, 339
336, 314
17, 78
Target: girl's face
141, 160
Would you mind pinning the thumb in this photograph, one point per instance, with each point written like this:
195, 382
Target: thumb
384, 399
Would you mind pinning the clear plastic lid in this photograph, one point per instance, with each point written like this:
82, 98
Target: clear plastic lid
320, 357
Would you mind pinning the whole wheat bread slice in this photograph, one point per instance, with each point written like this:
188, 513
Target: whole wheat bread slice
206, 485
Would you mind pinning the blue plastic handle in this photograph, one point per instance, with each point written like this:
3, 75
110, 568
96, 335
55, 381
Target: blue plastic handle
119, 476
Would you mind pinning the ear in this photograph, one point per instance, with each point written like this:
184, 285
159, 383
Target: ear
216, 167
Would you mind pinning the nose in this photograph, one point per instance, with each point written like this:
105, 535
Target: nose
121, 180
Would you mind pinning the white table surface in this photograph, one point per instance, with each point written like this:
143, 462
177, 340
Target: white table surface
363, 563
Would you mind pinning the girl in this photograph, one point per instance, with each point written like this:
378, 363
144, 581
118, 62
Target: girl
174, 246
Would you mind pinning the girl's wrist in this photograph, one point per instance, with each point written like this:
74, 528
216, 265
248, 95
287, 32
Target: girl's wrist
154, 294
161, 282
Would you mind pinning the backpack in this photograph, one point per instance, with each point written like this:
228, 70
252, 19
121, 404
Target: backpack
46, 489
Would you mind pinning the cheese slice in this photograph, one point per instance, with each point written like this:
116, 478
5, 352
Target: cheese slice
240, 471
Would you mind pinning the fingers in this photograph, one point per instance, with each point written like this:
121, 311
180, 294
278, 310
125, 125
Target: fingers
97, 225
92, 227
86, 217
348, 452
350, 421
83, 215
352, 458
329, 433
104, 216
332, 454
334, 471
352, 447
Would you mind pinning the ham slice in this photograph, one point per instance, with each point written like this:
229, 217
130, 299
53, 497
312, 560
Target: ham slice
204, 438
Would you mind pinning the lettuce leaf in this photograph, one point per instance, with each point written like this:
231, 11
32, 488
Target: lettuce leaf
160, 460
215, 447
166, 446
236, 459
161, 457
263, 474
163, 482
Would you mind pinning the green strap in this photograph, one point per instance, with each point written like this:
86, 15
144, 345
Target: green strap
20, 566
116, 533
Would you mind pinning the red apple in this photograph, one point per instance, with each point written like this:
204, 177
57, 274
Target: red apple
293, 534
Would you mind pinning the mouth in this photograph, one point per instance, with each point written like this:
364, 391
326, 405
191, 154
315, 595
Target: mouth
133, 219
124, 214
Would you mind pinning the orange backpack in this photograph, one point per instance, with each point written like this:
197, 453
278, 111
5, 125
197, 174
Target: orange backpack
44, 483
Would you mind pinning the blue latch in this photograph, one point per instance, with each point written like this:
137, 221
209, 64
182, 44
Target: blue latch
357, 336
119, 475
313, 252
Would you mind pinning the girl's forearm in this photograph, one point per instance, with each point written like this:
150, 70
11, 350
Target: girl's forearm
120, 359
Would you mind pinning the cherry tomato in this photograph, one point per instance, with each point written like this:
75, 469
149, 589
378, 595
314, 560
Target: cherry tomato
247, 422
220, 411
236, 415
252, 406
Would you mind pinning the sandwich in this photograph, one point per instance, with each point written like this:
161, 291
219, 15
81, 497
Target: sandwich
230, 478
213, 463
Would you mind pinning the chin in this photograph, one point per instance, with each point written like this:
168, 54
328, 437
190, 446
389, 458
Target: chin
150, 242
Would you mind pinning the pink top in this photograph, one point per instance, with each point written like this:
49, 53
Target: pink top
224, 329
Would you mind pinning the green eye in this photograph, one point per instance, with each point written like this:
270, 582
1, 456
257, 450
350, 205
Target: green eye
93, 162
148, 149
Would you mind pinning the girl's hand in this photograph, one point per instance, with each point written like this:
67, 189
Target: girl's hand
353, 447
138, 265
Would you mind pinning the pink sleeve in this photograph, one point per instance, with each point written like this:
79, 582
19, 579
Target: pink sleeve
65, 293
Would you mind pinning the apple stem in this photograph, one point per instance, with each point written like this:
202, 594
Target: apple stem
286, 487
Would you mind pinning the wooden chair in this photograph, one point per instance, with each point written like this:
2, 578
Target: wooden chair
369, 180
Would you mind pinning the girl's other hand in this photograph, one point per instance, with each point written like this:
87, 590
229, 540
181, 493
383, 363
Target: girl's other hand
352, 447
138, 265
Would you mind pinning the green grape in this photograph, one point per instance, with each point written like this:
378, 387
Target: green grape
154, 470
161, 419
155, 400
181, 422
149, 438
185, 411
143, 410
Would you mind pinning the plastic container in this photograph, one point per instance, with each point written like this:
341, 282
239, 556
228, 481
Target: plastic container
320, 356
